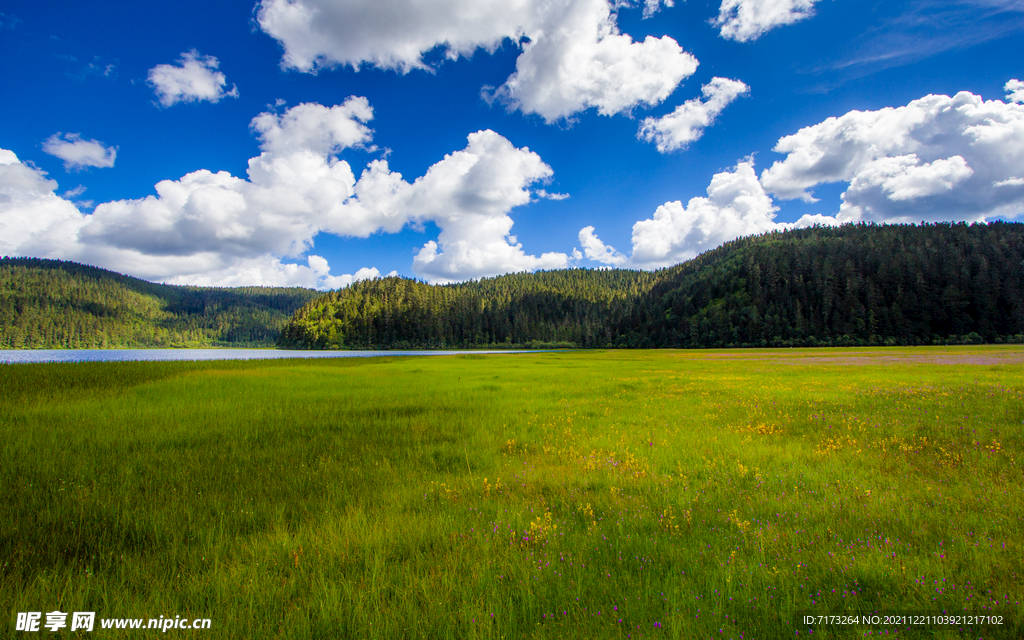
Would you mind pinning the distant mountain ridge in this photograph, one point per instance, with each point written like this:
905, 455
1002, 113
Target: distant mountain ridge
53, 304
850, 285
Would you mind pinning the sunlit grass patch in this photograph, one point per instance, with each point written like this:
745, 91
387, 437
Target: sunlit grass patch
559, 495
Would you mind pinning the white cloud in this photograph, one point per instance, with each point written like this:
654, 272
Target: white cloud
935, 159
905, 178
574, 56
468, 195
315, 128
598, 251
322, 270
194, 79
652, 7
541, 193
320, 34
73, 193
78, 153
746, 20
487, 250
296, 188
579, 60
736, 205
1014, 91
216, 228
34, 220
687, 123
270, 271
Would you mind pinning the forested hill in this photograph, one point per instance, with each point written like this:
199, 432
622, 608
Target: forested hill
849, 285
573, 307
50, 304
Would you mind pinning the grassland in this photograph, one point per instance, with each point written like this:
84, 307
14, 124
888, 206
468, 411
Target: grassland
625, 494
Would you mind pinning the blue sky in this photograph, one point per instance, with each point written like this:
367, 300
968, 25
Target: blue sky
527, 134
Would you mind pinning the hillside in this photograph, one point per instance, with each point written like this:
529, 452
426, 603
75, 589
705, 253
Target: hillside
849, 285
50, 304
572, 307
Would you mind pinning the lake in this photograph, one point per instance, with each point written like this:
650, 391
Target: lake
10, 356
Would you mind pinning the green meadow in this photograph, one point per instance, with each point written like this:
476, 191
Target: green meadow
601, 494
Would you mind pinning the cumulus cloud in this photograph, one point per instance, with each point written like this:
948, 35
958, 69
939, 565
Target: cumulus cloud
318, 34
598, 251
747, 20
270, 271
1014, 91
34, 220
315, 128
906, 178
322, 270
216, 228
78, 153
935, 159
687, 123
574, 56
195, 78
295, 189
736, 205
579, 60
468, 195
205, 228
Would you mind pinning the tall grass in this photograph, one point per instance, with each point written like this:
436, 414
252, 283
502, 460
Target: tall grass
559, 495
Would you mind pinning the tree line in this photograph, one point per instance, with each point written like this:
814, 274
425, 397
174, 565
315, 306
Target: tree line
53, 304
571, 307
860, 284
822, 286
851, 285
